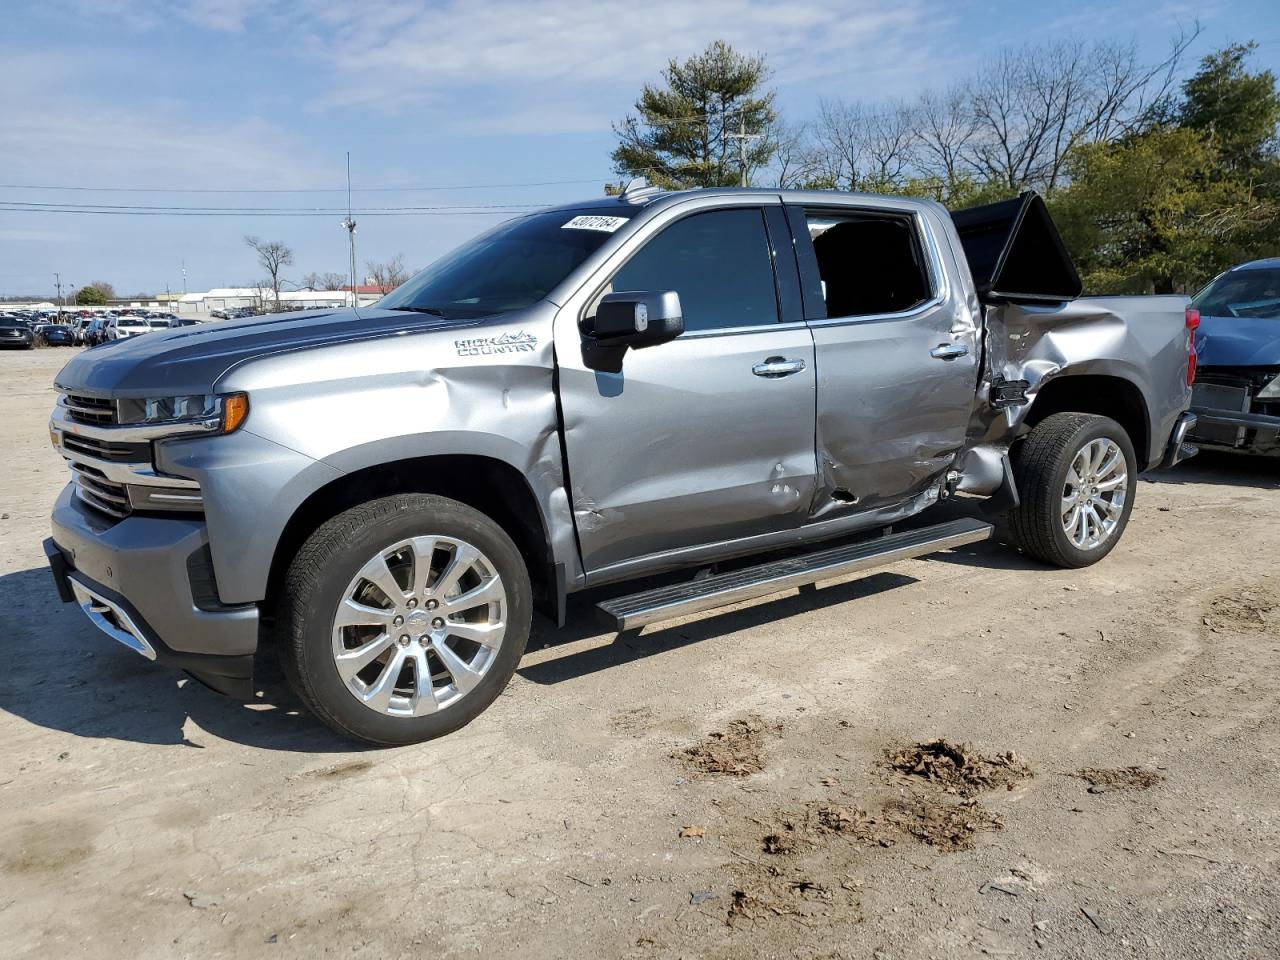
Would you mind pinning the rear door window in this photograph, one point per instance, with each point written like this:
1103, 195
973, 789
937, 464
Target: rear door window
871, 263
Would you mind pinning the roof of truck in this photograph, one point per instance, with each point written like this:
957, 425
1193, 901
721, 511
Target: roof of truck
644, 196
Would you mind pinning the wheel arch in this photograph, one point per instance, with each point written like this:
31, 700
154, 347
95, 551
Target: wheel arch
485, 483
1101, 394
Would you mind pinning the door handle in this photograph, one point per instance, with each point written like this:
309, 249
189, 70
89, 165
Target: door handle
948, 351
775, 367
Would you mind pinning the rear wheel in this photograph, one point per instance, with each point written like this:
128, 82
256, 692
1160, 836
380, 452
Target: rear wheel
404, 618
1076, 475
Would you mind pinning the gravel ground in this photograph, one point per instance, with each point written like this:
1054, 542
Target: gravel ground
760, 782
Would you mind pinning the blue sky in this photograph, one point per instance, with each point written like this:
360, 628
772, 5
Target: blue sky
236, 95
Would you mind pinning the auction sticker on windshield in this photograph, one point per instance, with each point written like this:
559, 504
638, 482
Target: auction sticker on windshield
605, 224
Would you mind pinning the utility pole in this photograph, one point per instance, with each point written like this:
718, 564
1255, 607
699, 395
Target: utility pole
350, 224
62, 302
742, 137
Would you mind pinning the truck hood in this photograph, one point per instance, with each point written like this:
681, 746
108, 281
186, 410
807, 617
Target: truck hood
1238, 342
191, 360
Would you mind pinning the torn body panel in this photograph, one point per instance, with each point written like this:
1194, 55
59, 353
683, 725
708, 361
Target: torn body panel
1141, 341
896, 392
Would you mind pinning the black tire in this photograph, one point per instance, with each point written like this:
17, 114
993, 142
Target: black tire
1040, 466
325, 565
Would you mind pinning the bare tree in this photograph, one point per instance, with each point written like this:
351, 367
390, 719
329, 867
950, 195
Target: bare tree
837, 153
325, 281
944, 127
859, 147
273, 255
387, 276
889, 142
793, 156
1031, 107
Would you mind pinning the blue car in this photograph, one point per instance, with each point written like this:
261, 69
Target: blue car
1237, 389
56, 335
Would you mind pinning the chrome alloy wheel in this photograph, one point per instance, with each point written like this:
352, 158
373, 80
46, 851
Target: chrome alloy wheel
1094, 495
419, 626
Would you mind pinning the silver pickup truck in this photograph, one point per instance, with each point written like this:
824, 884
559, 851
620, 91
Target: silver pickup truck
590, 395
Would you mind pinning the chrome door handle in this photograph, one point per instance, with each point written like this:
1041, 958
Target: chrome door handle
948, 351
775, 367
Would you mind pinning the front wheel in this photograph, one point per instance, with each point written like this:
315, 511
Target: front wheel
404, 618
1076, 475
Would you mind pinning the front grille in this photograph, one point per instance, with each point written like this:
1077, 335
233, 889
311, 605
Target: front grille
1254, 378
93, 487
90, 409
105, 450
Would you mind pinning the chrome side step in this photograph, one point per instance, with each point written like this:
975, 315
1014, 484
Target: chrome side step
667, 603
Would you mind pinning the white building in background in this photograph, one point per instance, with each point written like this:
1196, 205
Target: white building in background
221, 299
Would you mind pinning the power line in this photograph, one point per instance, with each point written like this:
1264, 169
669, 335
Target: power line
316, 210
403, 189
214, 213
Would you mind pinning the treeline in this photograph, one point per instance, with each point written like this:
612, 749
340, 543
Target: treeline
1159, 174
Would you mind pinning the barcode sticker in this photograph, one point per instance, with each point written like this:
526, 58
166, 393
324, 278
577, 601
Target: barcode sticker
604, 224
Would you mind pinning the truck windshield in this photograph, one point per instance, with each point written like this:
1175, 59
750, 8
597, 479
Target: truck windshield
509, 268
1242, 293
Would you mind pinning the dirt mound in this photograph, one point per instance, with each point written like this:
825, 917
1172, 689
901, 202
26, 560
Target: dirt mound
1120, 778
945, 826
854, 823
736, 752
816, 821
957, 768
1243, 611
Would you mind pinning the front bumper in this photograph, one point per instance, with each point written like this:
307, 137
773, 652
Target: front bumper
145, 582
1237, 430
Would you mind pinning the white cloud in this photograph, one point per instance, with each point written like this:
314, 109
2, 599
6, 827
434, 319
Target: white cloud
557, 55
557, 66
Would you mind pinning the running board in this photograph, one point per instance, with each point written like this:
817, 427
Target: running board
667, 603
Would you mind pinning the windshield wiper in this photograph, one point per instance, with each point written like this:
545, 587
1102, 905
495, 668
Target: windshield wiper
434, 311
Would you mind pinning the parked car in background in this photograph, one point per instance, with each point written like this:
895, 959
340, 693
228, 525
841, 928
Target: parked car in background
122, 328
15, 333
78, 326
56, 335
93, 333
1237, 388
59, 336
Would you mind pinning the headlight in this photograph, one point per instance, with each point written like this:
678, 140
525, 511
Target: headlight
230, 408
1272, 390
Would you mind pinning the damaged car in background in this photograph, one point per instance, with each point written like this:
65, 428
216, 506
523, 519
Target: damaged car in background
591, 395
1237, 389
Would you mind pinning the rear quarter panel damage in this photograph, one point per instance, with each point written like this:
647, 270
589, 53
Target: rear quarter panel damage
1142, 340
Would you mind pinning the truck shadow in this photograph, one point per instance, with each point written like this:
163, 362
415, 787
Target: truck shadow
1222, 469
584, 623
62, 674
